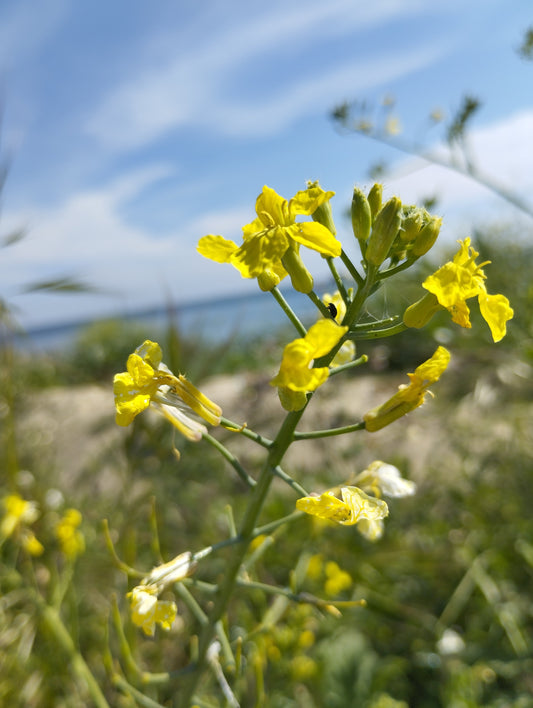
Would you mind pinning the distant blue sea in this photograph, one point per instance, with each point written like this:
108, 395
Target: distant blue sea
215, 319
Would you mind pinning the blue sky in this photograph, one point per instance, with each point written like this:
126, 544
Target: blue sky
135, 128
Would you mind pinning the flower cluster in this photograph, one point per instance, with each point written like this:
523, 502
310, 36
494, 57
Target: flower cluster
270, 248
452, 285
296, 375
147, 609
70, 538
148, 381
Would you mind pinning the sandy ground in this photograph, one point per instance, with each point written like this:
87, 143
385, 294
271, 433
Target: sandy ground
72, 430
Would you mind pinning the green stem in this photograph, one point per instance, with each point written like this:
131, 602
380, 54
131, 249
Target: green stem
246, 535
377, 333
245, 431
349, 365
330, 432
396, 269
319, 304
352, 269
287, 309
338, 281
230, 457
289, 480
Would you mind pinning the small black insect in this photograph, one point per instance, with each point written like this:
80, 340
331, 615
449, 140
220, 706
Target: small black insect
332, 310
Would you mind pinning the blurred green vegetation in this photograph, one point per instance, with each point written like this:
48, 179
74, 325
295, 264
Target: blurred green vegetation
448, 620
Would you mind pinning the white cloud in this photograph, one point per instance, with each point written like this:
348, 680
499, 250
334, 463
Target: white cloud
86, 237
196, 80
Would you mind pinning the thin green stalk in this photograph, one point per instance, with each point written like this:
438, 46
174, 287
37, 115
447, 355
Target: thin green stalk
289, 480
230, 457
395, 269
330, 432
338, 281
287, 309
377, 333
319, 304
349, 365
227, 585
245, 431
352, 269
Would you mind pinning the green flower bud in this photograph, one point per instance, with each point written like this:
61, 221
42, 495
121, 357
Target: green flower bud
361, 216
268, 280
323, 215
420, 313
385, 229
375, 199
291, 400
301, 278
413, 220
427, 236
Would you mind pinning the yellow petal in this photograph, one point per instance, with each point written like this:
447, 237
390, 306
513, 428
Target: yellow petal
216, 248
323, 336
272, 209
316, 236
307, 201
496, 311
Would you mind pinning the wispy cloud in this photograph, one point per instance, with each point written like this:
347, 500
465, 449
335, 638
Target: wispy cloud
197, 81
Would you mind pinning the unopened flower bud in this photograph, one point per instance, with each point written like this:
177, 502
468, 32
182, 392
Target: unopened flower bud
361, 216
268, 280
301, 278
385, 229
427, 236
420, 313
411, 223
375, 199
291, 400
323, 215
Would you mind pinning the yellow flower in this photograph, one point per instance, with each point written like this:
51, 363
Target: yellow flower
354, 506
409, 397
463, 278
147, 610
18, 512
148, 382
269, 237
70, 537
337, 581
296, 374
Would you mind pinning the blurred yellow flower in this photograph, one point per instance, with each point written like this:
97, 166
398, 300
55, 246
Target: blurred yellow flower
337, 580
354, 506
296, 374
70, 537
147, 610
18, 512
409, 397
458, 280
275, 230
147, 381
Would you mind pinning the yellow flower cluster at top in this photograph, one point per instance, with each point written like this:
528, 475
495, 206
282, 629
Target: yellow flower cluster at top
270, 248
